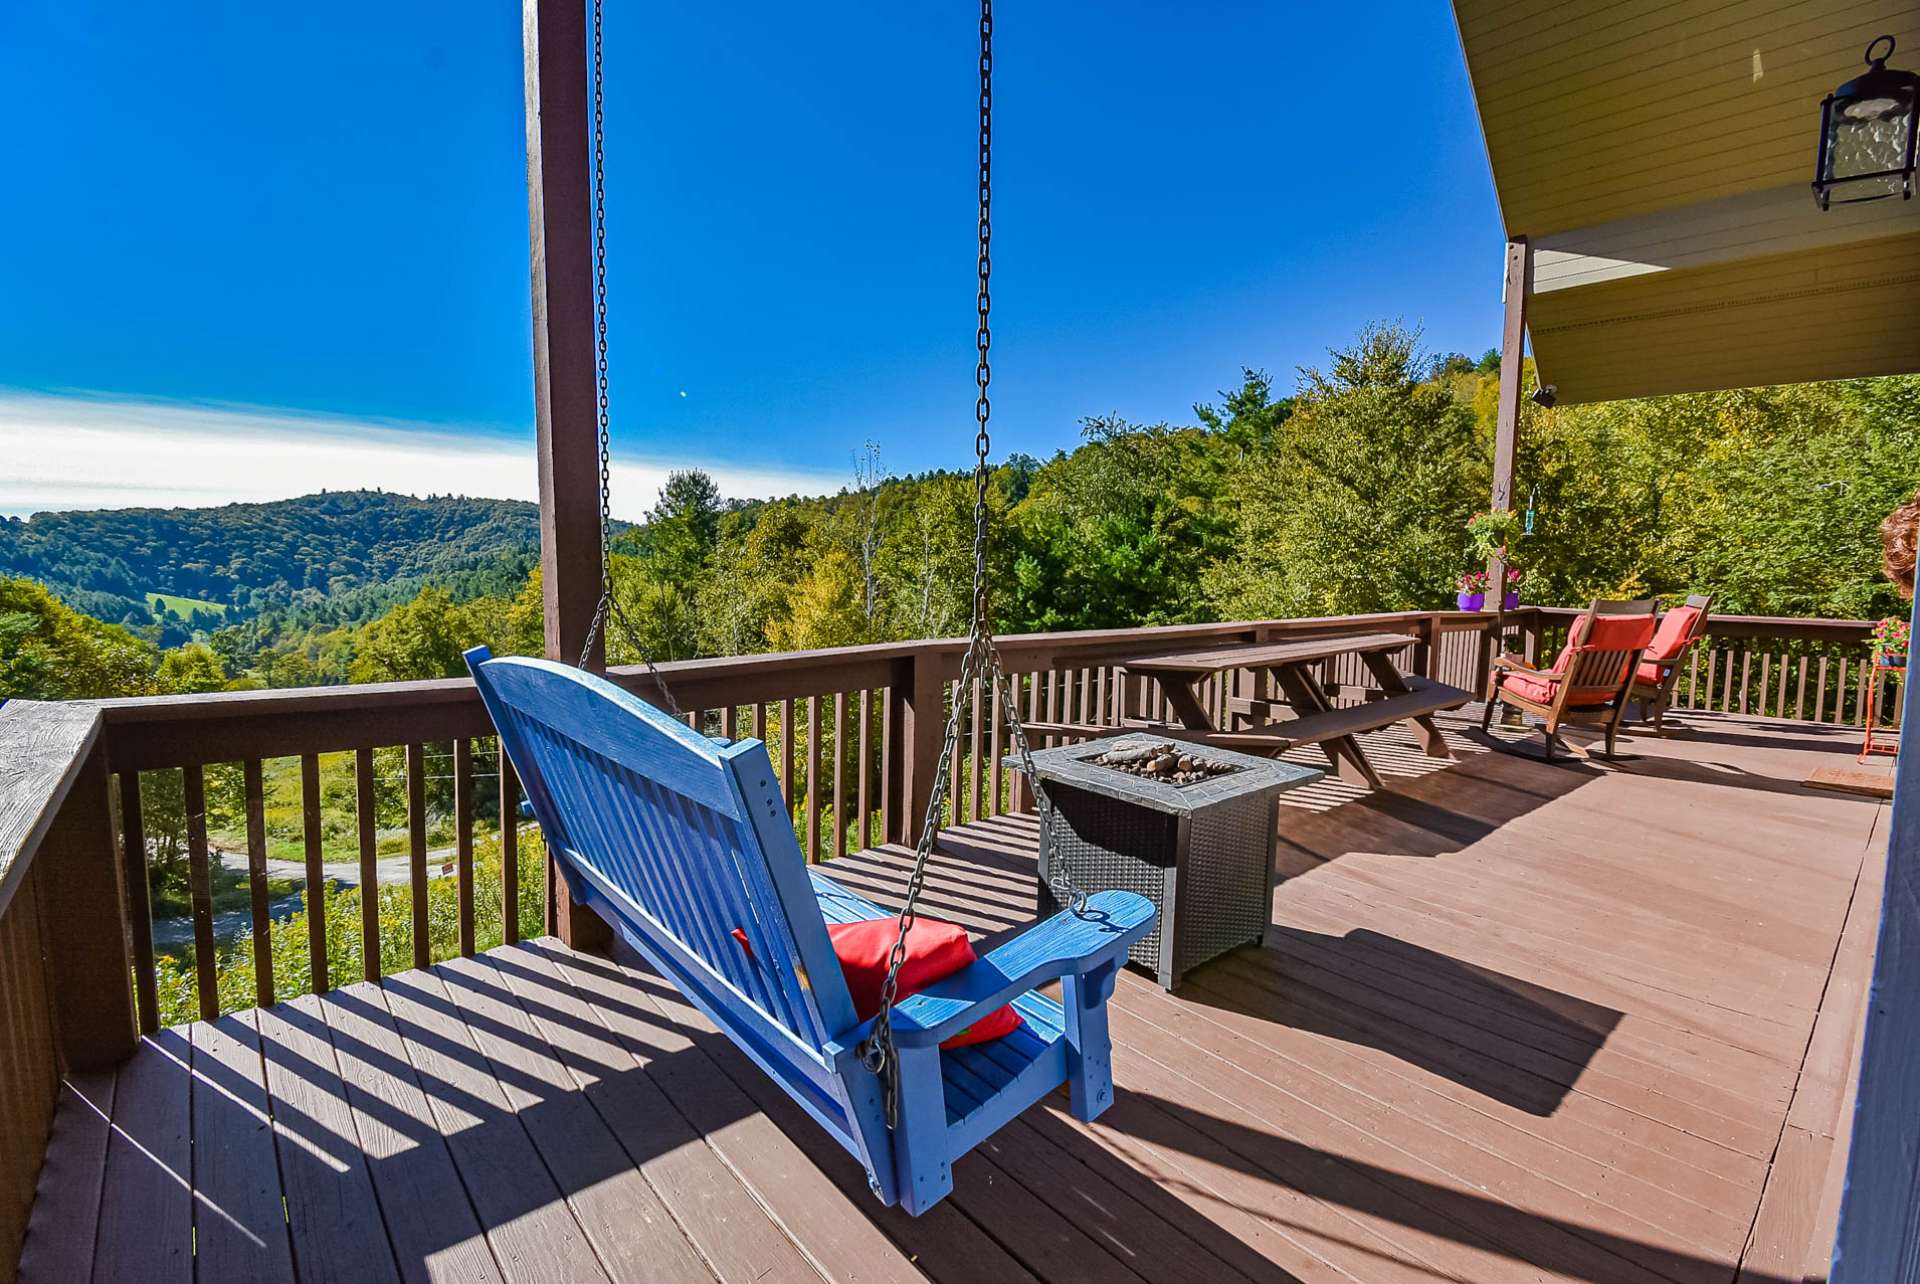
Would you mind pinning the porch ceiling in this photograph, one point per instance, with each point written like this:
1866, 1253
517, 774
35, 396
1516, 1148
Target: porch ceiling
1658, 155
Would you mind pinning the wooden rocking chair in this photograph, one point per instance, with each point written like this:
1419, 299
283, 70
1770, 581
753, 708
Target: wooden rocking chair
684, 845
1654, 678
1588, 683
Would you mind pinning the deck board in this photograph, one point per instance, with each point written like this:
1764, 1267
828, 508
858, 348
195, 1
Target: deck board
1512, 1020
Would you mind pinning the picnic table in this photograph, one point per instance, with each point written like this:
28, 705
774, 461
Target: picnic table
1316, 721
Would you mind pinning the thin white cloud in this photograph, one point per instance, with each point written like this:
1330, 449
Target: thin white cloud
64, 451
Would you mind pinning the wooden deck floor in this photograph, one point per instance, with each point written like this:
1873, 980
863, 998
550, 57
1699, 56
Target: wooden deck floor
1513, 1021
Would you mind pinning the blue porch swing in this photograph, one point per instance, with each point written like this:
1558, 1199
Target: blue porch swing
684, 845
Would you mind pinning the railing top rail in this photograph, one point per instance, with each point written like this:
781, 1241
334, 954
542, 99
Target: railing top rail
1777, 626
42, 746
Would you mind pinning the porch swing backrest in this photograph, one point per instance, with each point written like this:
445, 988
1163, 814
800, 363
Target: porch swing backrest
691, 839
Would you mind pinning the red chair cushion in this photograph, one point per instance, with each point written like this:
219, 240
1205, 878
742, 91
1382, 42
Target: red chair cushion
935, 951
1670, 639
1650, 673
1542, 690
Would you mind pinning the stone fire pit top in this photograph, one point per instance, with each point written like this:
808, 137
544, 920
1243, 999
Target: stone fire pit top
1068, 764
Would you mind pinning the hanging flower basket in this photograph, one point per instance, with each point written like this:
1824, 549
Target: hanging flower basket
1489, 534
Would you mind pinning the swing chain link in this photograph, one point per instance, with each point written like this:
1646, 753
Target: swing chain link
982, 659
608, 607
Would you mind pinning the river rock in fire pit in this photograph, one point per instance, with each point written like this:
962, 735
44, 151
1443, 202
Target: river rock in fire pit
1161, 760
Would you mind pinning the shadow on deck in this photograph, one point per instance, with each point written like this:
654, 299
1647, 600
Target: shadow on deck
1513, 1019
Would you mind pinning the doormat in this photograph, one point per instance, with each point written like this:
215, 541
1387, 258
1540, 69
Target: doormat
1848, 780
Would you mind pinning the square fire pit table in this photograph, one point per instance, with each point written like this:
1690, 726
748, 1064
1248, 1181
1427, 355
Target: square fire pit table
1201, 852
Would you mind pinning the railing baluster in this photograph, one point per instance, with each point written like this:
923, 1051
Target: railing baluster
1746, 671
886, 764
1766, 682
1800, 693
1862, 671
730, 722
366, 816
257, 883
133, 852
813, 778
1693, 677
786, 752
200, 882
1713, 665
864, 836
954, 814
1820, 693
463, 837
311, 836
995, 771
976, 702
509, 848
839, 774
760, 721
417, 850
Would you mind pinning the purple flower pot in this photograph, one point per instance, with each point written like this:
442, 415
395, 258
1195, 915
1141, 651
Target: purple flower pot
1513, 600
1470, 601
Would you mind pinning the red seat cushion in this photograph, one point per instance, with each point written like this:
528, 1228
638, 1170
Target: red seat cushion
1650, 673
1542, 691
935, 951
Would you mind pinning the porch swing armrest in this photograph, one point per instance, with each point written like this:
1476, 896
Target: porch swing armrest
1067, 944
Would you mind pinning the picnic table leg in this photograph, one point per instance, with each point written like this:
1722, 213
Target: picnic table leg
1344, 753
1387, 674
1186, 706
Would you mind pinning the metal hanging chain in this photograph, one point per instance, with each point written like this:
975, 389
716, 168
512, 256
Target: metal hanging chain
982, 659
608, 605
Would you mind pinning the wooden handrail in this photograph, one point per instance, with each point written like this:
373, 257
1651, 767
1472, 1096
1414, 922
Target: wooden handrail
64, 1002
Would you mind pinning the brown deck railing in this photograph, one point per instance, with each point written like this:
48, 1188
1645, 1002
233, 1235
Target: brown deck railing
854, 734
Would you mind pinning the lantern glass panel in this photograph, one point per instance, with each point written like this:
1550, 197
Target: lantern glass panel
1869, 136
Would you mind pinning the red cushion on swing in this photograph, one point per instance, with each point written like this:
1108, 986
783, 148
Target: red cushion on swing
935, 951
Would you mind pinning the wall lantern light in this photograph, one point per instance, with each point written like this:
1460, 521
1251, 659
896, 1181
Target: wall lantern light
1867, 134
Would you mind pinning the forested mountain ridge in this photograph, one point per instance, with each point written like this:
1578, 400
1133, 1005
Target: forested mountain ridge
257, 556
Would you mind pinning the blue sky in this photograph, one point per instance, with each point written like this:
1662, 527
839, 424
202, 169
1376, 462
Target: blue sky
306, 224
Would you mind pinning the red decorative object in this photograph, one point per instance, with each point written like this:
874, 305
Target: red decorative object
935, 951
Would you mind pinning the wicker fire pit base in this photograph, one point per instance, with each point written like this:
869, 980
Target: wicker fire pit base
1201, 851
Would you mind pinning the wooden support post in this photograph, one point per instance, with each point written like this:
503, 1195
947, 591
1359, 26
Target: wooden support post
1513, 352
565, 387
919, 723
86, 939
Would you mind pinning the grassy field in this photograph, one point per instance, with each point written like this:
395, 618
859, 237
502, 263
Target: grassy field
185, 606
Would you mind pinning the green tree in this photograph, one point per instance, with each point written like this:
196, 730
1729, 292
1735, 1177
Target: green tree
423, 638
49, 651
1361, 504
190, 668
682, 529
